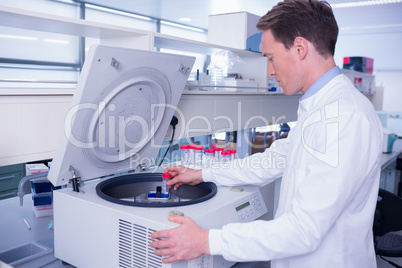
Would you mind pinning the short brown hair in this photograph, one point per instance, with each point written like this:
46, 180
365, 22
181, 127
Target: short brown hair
311, 19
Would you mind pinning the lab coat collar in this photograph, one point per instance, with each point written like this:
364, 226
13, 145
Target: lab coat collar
325, 92
321, 82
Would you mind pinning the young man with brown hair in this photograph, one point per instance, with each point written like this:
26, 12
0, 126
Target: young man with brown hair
330, 183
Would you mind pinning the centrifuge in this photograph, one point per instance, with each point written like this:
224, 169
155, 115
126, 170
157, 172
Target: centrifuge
120, 113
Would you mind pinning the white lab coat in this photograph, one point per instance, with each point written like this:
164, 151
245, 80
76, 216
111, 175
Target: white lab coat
328, 192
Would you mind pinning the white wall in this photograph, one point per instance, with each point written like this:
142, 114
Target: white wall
392, 83
385, 49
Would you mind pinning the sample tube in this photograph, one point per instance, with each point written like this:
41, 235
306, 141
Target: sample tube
191, 149
225, 157
218, 152
165, 178
209, 157
232, 155
198, 155
184, 154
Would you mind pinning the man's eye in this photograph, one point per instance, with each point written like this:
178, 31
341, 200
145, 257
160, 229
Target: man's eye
270, 59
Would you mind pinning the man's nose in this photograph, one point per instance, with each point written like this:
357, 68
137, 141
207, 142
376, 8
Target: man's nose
271, 70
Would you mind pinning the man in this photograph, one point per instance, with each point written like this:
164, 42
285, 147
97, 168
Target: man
330, 183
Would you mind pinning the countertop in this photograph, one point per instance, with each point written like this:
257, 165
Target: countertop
388, 158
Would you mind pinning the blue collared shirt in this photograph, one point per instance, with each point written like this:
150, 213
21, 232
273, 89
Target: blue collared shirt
321, 82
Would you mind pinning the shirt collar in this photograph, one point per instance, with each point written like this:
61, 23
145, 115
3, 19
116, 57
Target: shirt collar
321, 82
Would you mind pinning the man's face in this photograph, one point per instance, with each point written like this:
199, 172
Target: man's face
282, 63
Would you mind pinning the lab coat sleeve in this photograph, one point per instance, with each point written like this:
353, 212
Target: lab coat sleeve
324, 186
255, 169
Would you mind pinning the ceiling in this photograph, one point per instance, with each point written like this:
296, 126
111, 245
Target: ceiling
377, 18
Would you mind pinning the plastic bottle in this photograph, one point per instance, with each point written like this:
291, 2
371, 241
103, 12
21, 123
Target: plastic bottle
198, 155
184, 154
232, 155
218, 152
209, 158
225, 157
216, 78
165, 178
191, 150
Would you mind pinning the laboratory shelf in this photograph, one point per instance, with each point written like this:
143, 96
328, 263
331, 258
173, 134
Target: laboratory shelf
205, 112
182, 44
37, 21
254, 91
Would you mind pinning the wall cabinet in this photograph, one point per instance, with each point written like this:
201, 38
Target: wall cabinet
10, 177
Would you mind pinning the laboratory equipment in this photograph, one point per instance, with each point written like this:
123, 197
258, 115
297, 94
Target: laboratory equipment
225, 157
191, 155
209, 158
165, 178
360, 64
108, 221
22, 182
30, 254
388, 141
184, 154
218, 154
198, 155
233, 155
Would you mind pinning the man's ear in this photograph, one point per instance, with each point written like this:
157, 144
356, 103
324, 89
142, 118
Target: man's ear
301, 47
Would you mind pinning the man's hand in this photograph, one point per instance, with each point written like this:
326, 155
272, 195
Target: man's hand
183, 175
186, 242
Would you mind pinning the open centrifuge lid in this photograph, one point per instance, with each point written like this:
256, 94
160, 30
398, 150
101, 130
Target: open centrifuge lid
121, 110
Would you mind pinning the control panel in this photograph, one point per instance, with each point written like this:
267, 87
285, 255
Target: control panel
250, 209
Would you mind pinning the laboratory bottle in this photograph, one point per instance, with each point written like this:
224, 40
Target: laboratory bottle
209, 158
165, 178
198, 155
225, 157
184, 154
233, 155
216, 78
230, 155
218, 152
191, 149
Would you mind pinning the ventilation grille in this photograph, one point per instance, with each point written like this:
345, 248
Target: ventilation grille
134, 250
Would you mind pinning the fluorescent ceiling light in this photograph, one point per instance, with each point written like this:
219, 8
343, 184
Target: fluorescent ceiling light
365, 3
57, 41
182, 26
113, 11
66, 1
185, 19
373, 27
18, 37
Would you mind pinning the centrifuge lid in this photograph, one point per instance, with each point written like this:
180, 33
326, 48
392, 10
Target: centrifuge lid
121, 110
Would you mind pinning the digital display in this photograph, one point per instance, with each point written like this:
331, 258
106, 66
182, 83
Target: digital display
242, 206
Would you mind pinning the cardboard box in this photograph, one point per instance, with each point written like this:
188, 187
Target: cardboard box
233, 30
360, 64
